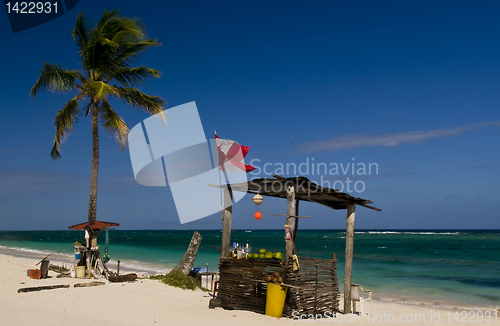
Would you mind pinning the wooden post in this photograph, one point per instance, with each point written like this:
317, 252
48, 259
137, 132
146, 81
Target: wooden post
290, 197
227, 216
349, 242
296, 226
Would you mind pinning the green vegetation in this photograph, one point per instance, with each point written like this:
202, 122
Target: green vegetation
107, 50
180, 280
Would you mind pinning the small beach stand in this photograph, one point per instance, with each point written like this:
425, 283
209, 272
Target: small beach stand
314, 287
92, 254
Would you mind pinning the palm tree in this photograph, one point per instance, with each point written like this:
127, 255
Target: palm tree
107, 50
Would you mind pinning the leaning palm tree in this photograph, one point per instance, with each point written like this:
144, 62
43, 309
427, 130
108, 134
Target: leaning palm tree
107, 50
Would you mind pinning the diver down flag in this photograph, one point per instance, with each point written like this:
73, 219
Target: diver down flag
177, 154
231, 155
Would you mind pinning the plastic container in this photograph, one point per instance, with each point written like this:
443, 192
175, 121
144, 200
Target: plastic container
35, 273
275, 299
80, 271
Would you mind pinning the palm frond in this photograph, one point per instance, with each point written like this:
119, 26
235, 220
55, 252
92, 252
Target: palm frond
131, 50
113, 124
104, 41
80, 33
55, 78
133, 76
89, 108
118, 29
98, 89
149, 103
63, 122
106, 17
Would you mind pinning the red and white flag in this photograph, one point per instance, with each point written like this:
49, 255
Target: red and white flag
231, 155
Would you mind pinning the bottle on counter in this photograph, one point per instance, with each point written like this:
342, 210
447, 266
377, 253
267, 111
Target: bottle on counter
247, 250
240, 251
235, 250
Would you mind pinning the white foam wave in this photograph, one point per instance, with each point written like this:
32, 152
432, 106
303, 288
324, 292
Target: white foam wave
140, 266
25, 250
410, 232
56, 255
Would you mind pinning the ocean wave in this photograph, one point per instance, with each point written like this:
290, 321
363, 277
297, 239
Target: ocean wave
408, 232
131, 265
134, 265
38, 252
35, 251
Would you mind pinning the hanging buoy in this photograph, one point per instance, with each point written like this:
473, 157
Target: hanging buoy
258, 215
257, 199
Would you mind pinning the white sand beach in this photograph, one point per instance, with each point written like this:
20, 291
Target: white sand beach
149, 302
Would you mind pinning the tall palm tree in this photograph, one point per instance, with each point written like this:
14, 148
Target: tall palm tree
107, 50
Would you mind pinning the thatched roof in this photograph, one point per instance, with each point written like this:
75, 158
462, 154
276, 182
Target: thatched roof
305, 190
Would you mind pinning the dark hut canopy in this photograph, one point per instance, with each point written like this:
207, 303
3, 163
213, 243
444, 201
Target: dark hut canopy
93, 225
305, 190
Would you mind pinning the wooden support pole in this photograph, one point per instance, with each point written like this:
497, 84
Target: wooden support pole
227, 216
290, 197
296, 226
349, 244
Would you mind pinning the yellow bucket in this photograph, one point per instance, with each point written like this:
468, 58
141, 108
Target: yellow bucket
80, 271
275, 299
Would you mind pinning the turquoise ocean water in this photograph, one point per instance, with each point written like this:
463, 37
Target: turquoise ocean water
452, 267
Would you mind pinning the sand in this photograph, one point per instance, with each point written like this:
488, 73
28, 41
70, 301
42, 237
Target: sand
149, 302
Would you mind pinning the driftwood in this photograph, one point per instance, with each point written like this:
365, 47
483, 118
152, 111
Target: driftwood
59, 269
186, 263
84, 285
40, 288
123, 278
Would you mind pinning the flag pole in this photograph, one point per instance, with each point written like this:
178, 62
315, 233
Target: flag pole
220, 183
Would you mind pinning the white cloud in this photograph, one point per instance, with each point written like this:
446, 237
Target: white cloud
388, 140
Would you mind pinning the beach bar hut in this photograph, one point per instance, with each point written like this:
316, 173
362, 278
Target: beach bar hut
91, 251
314, 287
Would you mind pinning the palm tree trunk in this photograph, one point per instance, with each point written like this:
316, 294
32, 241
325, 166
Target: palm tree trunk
95, 164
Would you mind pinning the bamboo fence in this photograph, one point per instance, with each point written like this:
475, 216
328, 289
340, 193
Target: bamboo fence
315, 286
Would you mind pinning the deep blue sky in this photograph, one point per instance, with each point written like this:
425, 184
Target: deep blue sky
413, 87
